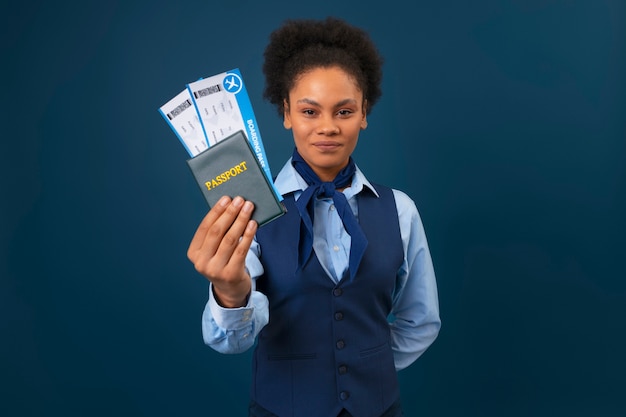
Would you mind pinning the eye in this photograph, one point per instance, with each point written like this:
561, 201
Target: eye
308, 112
344, 112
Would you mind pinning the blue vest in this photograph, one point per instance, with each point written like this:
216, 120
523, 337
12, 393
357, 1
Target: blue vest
327, 346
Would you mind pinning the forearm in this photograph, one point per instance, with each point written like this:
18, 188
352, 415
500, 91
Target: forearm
416, 311
233, 330
409, 341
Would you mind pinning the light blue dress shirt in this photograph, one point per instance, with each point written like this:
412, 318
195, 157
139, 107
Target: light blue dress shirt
415, 320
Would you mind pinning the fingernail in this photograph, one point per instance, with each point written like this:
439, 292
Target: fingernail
223, 201
247, 207
238, 201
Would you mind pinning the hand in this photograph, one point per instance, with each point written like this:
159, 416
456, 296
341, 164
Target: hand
219, 247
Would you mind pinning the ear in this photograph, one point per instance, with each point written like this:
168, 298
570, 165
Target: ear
364, 120
286, 117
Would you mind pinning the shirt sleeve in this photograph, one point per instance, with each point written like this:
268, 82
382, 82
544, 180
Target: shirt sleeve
415, 312
233, 330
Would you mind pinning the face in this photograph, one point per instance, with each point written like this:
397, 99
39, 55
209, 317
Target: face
326, 114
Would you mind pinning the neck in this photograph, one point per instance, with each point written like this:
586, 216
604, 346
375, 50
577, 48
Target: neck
327, 175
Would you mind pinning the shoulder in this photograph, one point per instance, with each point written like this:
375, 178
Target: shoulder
405, 206
404, 203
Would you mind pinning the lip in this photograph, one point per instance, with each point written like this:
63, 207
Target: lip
327, 145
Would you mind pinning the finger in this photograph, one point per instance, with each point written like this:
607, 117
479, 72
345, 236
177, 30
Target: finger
211, 217
239, 255
237, 229
215, 258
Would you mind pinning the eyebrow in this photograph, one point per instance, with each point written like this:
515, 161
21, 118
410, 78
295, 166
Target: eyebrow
315, 103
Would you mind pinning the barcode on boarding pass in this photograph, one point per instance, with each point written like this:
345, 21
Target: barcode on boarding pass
179, 109
208, 91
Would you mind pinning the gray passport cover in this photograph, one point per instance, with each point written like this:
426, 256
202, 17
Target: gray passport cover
231, 168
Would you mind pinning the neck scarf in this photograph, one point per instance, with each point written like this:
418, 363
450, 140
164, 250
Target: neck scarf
317, 188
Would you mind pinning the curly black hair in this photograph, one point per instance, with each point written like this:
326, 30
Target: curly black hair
300, 45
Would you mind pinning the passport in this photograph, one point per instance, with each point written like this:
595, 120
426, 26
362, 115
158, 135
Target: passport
230, 167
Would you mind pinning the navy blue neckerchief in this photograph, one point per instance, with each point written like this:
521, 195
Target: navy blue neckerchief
319, 189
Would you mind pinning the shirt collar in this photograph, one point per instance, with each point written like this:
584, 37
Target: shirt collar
289, 181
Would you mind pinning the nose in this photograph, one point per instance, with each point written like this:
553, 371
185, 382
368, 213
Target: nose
327, 126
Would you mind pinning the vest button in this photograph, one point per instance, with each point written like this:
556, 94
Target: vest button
344, 395
338, 316
343, 369
340, 344
337, 292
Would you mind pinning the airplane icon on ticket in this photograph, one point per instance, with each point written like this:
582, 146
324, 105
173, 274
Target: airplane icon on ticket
232, 83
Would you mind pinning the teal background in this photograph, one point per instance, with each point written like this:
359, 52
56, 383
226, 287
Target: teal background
504, 120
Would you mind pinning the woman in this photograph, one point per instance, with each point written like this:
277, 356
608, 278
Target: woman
340, 292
